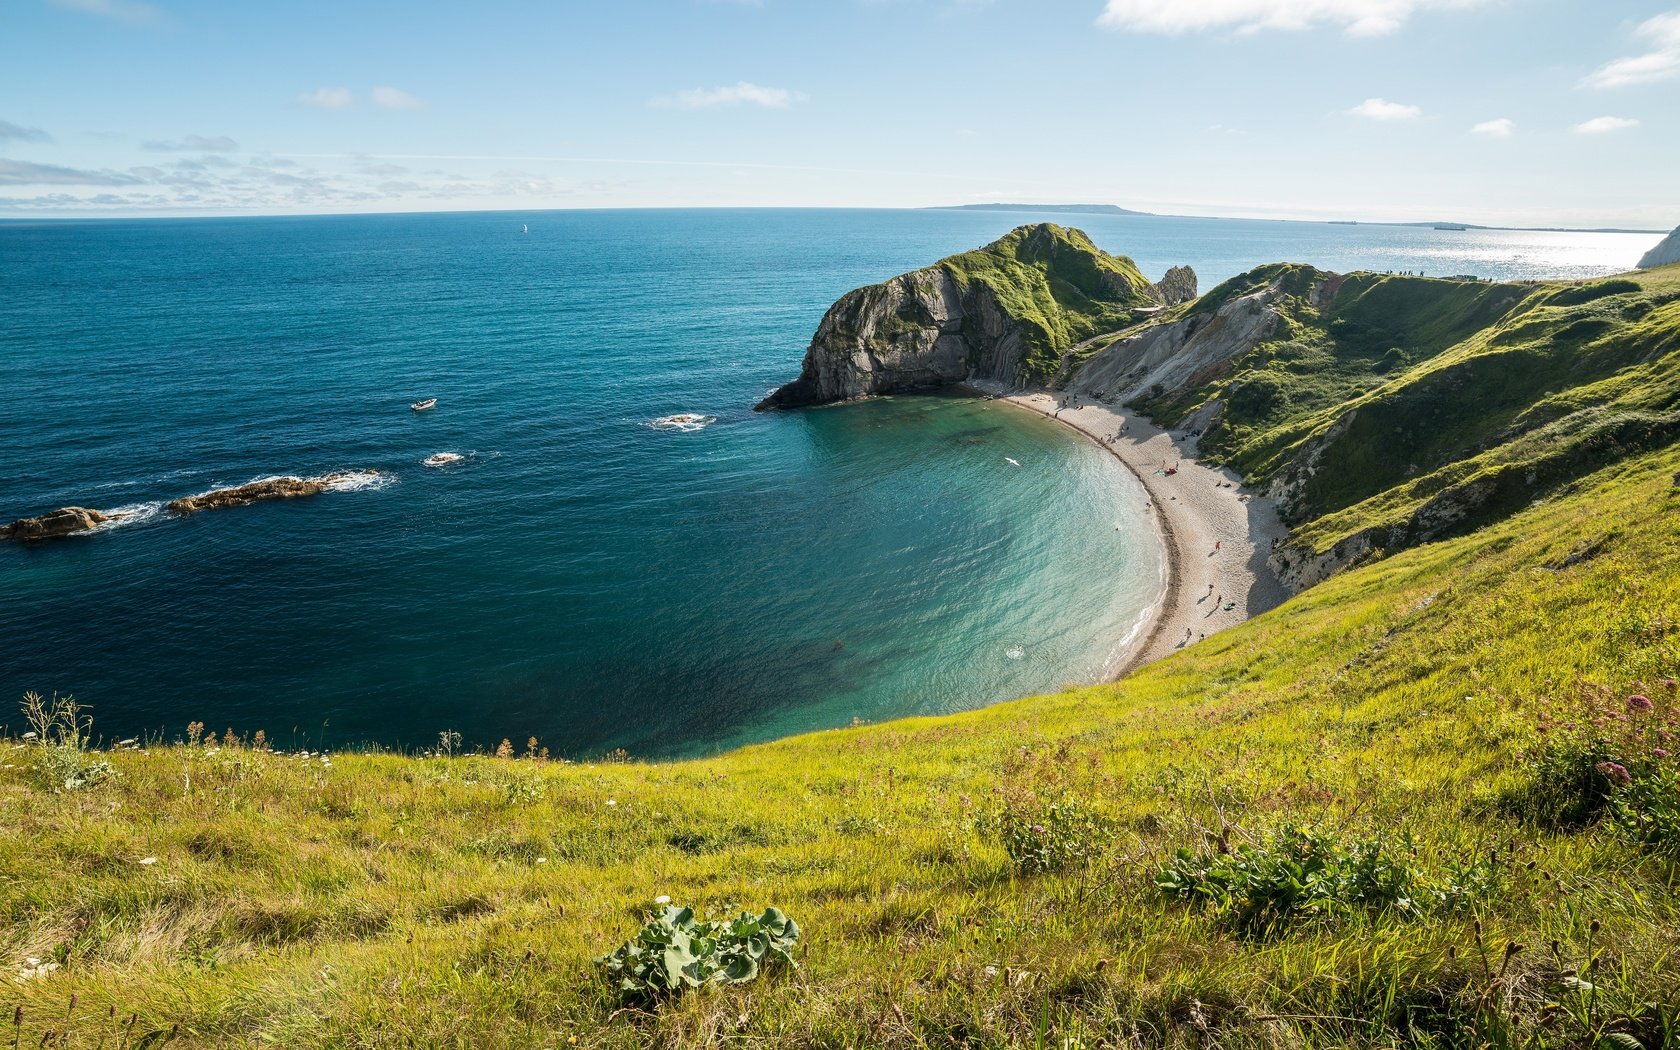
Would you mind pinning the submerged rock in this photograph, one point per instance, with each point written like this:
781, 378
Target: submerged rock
266, 489
1667, 251
64, 521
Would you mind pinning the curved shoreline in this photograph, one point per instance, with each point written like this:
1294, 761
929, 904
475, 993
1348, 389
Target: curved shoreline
1215, 537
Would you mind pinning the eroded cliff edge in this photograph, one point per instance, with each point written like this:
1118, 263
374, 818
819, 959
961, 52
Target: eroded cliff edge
1006, 313
1665, 253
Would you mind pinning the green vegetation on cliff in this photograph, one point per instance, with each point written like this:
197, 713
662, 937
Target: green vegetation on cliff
1055, 285
1381, 394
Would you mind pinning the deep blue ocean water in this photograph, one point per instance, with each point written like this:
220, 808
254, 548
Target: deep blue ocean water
581, 575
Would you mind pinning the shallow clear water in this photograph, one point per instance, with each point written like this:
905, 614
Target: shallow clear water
581, 575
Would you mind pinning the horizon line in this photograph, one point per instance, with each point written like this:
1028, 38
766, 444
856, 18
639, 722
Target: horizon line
980, 207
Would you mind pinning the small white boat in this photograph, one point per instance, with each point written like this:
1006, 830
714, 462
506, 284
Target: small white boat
421, 406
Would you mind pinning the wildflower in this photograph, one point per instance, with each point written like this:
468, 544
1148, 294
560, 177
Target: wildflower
1038, 829
1659, 752
148, 861
1639, 702
1668, 683
542, 860
612, 801
662, 899
1615, 771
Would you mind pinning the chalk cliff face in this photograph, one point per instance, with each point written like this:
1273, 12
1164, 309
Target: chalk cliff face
1160, 359
1006, 312
906, 334
1667, 251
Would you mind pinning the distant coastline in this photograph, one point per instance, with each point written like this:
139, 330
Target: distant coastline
21, 221
1115, 209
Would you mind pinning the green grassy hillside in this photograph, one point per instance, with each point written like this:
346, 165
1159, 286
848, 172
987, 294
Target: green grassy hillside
985, 879
1405, 408
1055, 285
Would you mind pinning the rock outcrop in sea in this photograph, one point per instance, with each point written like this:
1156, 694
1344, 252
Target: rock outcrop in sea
1004, 313
1667, 251
256, 491
1178, 286
65, 521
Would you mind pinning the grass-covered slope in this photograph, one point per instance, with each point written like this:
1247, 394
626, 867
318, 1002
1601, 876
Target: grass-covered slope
986, 879
1401, 408
1055, 285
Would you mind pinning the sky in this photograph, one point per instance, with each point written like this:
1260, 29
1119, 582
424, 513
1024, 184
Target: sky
1498, 112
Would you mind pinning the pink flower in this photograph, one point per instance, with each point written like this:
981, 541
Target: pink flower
1639, 702
1615, 771
1668, 683
1038, 829
1659, 752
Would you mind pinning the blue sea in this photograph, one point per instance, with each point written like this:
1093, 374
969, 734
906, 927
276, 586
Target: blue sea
585, 573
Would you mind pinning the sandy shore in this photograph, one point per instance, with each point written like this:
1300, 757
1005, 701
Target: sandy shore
1216, 536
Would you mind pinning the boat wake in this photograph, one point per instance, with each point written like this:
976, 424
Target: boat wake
686, 422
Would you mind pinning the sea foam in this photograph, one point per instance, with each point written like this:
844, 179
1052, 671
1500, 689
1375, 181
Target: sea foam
687, 422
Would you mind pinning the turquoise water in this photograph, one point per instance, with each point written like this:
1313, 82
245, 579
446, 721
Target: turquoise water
581, 575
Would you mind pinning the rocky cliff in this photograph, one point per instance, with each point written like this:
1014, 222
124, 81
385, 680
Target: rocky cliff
1667, 251
1382, 412
1186, 348
1006, 312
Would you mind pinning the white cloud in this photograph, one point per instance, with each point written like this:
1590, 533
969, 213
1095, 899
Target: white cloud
121, 10
1662, 62
736, 94
395, 98
28, 173
1383, 109
1502, 128
203, 143
1356, 17
326, 98
1604, 125
8, 130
